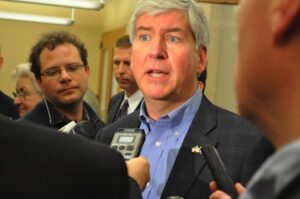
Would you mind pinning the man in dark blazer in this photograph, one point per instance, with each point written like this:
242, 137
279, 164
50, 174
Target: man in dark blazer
169, 42
130, 99
240, 146
7, 106
37, 163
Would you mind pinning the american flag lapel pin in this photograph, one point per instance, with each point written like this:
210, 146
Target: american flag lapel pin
197, 149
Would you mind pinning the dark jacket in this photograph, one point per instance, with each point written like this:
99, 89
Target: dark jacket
114, 106
38, 163
7, 106
44, 114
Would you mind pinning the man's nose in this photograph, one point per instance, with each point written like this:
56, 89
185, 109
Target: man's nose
17, 100
64, 74
122, 67
158, 48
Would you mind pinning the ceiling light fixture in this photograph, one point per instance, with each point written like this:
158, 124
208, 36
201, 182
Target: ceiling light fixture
37, 18
83, 4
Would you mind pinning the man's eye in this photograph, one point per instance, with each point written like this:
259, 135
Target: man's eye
116, 62
127, 63
52, 72
72, 68
172, 39
144, 37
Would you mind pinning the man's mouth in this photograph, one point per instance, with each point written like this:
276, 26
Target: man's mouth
157, 73
66, 89
122, 80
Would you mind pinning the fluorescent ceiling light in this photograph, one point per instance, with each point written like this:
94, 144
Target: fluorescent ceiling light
84, 4
36, 18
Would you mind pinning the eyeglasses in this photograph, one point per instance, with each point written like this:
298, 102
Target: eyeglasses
56, 71
22, 94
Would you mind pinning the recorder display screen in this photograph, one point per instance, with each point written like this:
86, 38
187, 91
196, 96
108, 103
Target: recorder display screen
125, 139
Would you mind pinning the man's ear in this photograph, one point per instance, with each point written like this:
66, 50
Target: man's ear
87, 70
202, 60
284, 15
1, 61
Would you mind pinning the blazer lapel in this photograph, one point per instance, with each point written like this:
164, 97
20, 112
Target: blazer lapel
139, 105
116, 106
188, 165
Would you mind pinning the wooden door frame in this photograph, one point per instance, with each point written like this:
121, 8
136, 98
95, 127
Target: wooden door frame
108, 40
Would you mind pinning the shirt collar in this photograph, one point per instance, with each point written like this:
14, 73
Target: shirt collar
187, 110
136, 97
56, 117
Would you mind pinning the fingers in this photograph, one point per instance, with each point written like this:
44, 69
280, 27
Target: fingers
213, 186
239, 188
139, 169
219, 195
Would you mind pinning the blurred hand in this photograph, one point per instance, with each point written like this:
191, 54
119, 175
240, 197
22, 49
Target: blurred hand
218, 194
139, 169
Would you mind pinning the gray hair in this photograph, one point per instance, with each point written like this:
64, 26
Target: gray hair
23, 71
196, 16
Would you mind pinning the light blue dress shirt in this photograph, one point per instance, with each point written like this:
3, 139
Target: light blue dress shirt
164, 138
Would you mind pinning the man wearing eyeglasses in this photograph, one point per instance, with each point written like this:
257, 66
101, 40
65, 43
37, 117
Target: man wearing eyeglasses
130, 99
59, 63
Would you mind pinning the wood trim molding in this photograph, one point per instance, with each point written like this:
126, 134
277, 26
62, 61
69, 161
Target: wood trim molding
218, 1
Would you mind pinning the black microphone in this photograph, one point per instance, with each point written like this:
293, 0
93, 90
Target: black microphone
85, 129
218, 170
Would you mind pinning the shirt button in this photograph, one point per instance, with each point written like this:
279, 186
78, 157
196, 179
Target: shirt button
157, 143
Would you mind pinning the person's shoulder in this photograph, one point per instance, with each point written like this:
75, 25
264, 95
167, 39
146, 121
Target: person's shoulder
230, 121
233, 119
38, 114
120, 94
7, 106
4, 97
45, 145
117, 96
94, 117
129, 121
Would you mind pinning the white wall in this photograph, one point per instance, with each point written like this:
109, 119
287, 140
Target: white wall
222, 56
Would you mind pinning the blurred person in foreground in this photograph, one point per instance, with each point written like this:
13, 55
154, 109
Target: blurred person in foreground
169, 52
28, 93
37, 163
268, 85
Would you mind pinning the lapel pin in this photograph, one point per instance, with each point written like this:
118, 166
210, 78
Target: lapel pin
197, 149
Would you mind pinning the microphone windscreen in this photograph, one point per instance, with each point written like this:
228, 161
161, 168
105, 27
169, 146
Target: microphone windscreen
85, 129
